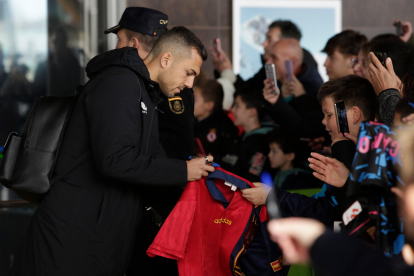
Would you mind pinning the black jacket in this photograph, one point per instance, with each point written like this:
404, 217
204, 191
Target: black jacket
340, 255
301, 117
248, 156
87, 223
176, 125
217, 134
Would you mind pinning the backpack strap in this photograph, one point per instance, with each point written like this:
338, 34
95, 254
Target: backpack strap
78, 161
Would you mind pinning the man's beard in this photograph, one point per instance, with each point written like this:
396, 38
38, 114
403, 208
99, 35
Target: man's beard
163, 85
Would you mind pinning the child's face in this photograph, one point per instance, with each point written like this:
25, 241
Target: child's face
201, 110
329, 120
240, 112
277, 157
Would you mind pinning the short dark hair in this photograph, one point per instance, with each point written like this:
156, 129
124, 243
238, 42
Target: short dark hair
178, 39
354, 91
212, 91
348, 42
288, 29
147, 41
287, 143
397, 50
405, 106
252, 100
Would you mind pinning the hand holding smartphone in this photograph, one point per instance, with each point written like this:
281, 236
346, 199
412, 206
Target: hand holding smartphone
382, 57
271, 74
399, 28
341, 119
217, 46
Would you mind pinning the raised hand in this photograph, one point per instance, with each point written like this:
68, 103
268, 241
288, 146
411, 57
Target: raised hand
271, 92
329, 170
295, 236
383, 78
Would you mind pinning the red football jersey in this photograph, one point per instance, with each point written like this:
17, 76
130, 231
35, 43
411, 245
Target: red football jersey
203, 229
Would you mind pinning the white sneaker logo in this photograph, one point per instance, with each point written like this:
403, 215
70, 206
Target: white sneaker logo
144, 108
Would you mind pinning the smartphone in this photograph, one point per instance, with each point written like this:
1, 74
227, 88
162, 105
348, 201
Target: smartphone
289, 70
382, 57
217, 45
399, 29
271, 74
341, 119
273, 205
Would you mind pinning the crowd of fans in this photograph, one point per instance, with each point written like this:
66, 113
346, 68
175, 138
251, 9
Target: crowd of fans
289, 130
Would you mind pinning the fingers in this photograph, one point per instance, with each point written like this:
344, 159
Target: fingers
257, 184
317, 169
209, 168
318, 156
319, 176
390, 66
376, 64
210, 158
398, 192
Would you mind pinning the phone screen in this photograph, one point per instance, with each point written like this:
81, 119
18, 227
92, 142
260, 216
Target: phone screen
341, 119
271, 73
398, 29
289, 70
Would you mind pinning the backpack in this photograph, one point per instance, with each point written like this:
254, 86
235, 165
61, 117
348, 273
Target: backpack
29, 160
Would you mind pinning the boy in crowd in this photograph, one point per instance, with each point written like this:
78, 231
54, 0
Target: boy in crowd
213, 127
341, 49
303, 240
247, 157
284, 155
359, 97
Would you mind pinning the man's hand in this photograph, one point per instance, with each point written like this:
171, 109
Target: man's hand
382, 78
268, 91
197, 168
295, 236
406, 28
295, 87
329, 170
221, 61
258, 194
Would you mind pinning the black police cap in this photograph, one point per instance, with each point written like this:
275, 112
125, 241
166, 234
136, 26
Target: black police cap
141, 20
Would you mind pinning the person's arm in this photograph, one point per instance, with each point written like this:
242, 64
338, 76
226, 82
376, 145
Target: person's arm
388, 100
115, 121
340, 255
304, 125
306, 240
297, 205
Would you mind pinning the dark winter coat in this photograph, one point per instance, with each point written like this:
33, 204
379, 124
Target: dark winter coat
87, 223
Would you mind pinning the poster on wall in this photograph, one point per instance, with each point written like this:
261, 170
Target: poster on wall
318, 21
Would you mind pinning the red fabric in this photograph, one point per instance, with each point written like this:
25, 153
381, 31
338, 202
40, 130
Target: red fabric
199, 233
